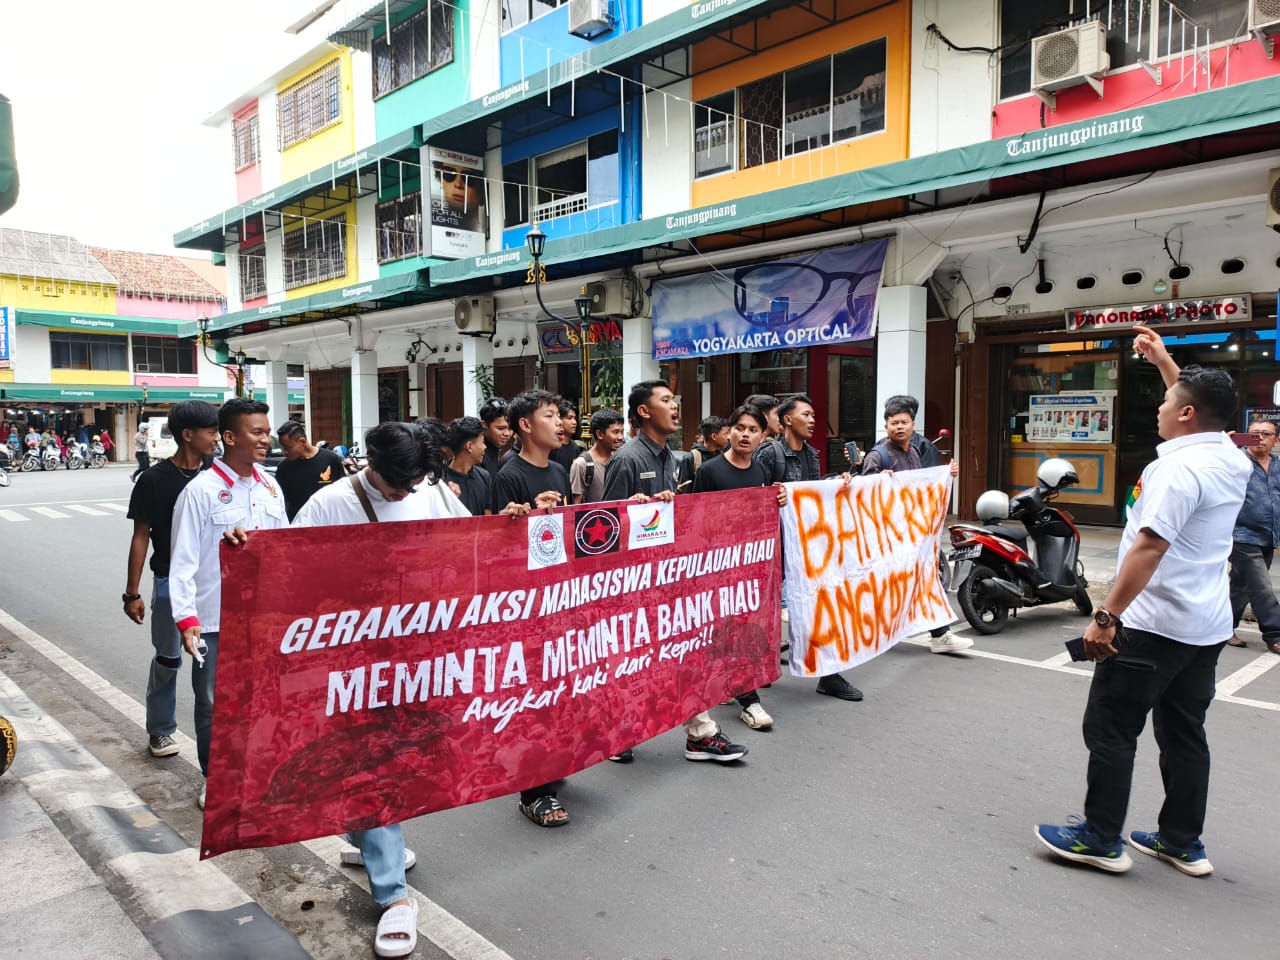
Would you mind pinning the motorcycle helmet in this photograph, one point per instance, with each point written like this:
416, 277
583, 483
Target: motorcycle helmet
1056, 472
993, 505
97, 439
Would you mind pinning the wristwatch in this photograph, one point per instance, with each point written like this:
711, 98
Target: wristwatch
130, 597
1104, 618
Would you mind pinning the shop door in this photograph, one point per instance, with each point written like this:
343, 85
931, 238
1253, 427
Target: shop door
851, 398
393, 394
448, 392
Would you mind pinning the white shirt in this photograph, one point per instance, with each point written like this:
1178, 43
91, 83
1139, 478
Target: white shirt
216, 501
1189, 496
337, 504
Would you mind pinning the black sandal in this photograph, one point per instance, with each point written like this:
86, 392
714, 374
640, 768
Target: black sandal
540, 811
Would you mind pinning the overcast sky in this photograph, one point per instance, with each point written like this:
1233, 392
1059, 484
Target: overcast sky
109, 101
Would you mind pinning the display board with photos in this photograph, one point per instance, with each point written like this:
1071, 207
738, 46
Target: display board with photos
1076, 416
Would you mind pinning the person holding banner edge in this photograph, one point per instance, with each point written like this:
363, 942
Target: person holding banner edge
642, 470
402, 482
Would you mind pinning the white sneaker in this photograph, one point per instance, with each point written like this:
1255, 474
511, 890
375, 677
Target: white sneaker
352, 857
949, 643
786, 615
756, 717
200, 799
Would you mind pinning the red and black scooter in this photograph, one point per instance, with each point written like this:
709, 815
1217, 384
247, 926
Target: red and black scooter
998, 568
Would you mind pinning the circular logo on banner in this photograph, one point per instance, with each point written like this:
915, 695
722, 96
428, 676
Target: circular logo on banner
597, 532
546, 540
224, 496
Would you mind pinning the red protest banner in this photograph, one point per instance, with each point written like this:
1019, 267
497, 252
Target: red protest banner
371, 674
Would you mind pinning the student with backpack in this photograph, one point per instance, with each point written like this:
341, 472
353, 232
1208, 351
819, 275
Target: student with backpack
586, 473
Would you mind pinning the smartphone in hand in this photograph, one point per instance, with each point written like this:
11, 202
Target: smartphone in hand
1245, 439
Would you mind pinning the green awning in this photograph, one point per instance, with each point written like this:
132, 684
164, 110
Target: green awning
99, 322
208, 234
95, 393
8, 157
354, 298
1206, 114
684, 27
296, 397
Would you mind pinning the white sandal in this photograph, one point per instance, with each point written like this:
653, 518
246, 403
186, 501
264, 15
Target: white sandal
397, 934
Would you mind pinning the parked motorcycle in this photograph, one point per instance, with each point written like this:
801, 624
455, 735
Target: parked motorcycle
97, 455
72, 457
30, 460
6, 464
50, 458
994, 568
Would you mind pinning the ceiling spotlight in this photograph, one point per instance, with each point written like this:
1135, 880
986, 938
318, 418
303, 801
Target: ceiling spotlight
1159, 287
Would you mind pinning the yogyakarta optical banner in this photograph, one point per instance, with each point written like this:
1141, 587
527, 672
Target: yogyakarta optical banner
803, 301
452, 661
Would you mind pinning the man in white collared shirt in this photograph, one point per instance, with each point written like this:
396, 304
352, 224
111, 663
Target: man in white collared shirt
1171, 593
234, 493
401, 482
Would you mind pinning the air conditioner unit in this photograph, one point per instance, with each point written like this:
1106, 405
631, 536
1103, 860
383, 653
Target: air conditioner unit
589, 18
1264, 16
142, 368
474, 316
1273, 200
1068, 58
611, 298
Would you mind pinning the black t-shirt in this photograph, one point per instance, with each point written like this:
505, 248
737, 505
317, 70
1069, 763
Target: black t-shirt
566, 455
519, 481
491, 460
152, 502
473, 487
719, 474
299, 479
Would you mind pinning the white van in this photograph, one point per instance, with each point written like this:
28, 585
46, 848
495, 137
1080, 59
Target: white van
160, 442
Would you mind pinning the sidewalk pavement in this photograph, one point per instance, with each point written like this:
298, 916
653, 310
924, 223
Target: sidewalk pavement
91, 871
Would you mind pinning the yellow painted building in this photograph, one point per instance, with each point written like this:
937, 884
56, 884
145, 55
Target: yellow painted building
315, 110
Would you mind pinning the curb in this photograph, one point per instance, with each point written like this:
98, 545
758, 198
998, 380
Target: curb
184, 908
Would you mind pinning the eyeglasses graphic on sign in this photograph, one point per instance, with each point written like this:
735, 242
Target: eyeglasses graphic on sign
776, 295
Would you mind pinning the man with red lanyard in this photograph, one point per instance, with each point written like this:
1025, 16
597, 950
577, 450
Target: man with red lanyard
232, 496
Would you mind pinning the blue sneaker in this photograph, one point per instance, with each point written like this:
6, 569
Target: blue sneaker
1191, 860
1077, 843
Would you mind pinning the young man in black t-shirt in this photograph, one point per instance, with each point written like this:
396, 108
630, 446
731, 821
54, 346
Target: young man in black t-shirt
738, 469
470, 481
307, 469
497, 433
529, 480
194, 424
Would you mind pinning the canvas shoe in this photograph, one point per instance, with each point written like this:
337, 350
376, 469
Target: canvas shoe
756, 717
1078, 843
1191, 860
949, 643
162, 746
717, 748
352, 857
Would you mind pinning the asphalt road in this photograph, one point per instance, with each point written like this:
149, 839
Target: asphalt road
896, 827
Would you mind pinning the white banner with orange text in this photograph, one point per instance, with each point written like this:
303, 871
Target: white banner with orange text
861, 565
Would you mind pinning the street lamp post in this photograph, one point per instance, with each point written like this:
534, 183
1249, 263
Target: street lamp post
203, 339
577, 330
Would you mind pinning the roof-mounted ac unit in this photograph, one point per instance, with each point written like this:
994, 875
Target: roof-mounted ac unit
1068, 58
474, 316
1273, 200
611, 298
589, 18
1264, 21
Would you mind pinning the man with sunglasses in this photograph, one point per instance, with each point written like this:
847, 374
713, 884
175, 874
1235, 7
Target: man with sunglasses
1257, 531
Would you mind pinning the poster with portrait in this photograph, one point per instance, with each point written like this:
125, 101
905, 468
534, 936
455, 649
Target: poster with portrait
459, 218
1074, 416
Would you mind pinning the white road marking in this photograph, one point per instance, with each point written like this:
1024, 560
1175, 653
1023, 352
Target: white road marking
1058, 659
1229, 685
435, 923
51, 513
13, 516
118, 507
59, 503
87, 511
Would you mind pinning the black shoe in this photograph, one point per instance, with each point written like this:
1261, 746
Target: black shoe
837, 686
716, 747
626, 756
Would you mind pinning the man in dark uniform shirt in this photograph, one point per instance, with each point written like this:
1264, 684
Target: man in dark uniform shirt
470, 481
306, 468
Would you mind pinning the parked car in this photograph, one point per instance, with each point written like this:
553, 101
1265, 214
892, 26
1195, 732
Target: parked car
160, 442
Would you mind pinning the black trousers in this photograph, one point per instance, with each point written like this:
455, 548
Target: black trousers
1174, 682
144, 461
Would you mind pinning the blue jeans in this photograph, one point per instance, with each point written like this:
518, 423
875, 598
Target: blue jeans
202, 686
1251, 584
162, 681
383, 852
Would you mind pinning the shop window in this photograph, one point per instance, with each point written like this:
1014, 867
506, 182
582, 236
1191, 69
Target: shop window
315, 252
244, 133
305, 108
1153, 31
516, 13
782, 373
87, 351
165, 355
832, 100
400, 227
253, 273
568, 180
416, 49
